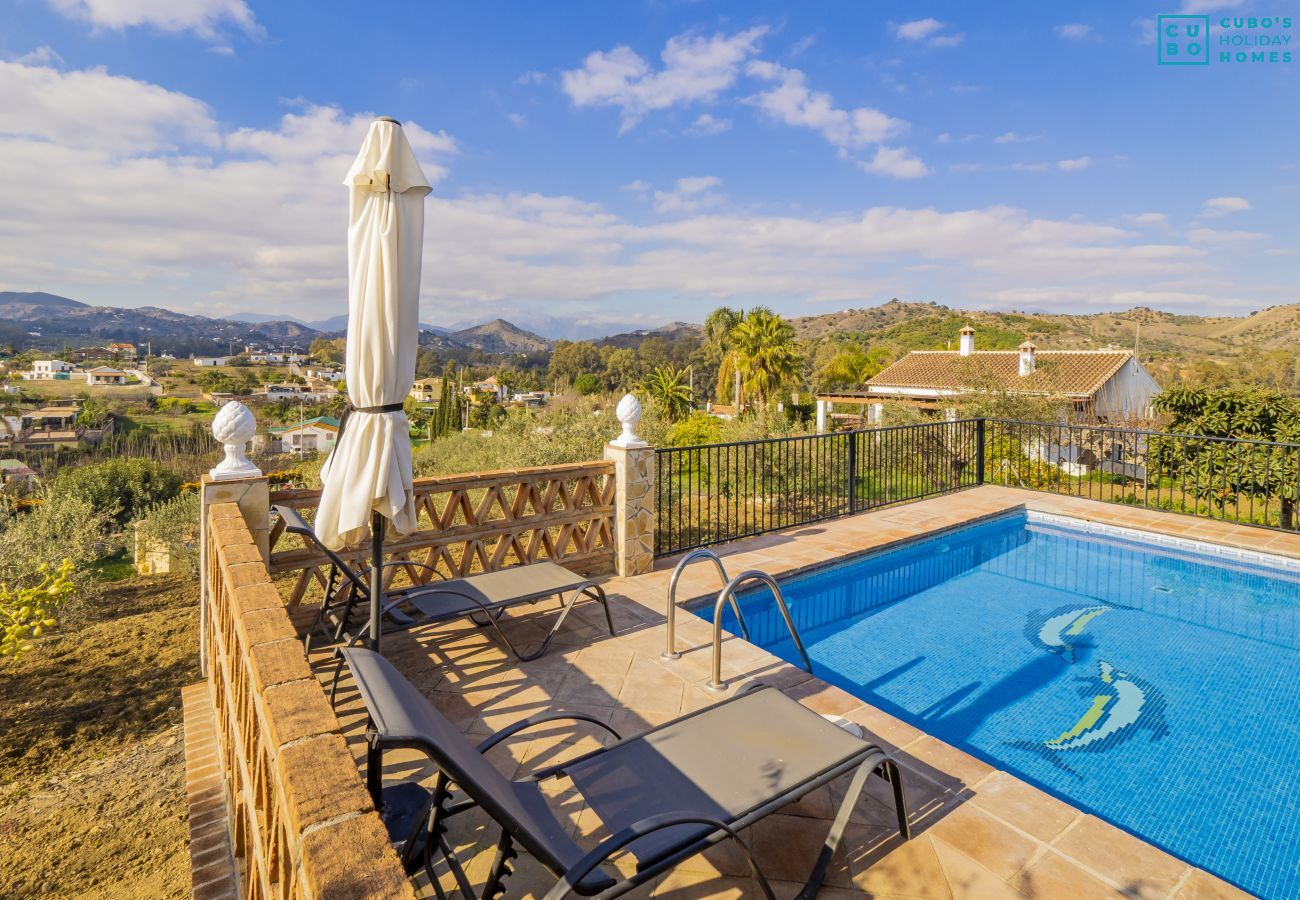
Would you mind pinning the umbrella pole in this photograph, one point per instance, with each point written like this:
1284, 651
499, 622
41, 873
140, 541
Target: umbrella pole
374, 755
377, 523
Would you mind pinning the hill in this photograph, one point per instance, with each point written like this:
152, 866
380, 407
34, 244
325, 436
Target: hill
499, 336
673, 331
913, 325
60, 319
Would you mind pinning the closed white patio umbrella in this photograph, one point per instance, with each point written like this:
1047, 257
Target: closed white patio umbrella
367, 477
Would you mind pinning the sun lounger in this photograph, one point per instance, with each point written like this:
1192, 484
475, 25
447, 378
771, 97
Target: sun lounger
481, 598
663, 796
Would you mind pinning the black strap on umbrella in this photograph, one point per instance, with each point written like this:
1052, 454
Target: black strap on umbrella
343, 422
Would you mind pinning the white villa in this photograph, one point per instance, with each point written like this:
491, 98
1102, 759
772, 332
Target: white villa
311, 436
106, 375
1101, 385
48, 370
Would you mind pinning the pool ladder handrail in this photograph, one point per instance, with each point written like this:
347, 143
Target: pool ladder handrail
728, 594
671, 651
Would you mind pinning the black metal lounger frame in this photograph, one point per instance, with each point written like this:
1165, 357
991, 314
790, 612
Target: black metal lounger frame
354, 585
429, 835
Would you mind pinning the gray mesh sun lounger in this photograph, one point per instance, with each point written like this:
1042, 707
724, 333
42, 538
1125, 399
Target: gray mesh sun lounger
481, 598
663, 796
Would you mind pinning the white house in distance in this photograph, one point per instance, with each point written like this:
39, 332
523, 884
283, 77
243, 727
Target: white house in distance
490, 385
106, 375
209, 362
1100, 385
49, 370
312, 436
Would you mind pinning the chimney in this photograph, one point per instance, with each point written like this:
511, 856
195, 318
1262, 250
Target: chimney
1027, 359
967, 341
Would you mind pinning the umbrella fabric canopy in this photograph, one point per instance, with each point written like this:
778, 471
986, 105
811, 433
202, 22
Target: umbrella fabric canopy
369, 470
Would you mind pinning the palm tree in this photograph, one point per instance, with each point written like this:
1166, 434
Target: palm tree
763, 356
717, 332
669, 388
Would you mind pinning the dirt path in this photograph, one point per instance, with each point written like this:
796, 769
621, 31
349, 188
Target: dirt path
92, 796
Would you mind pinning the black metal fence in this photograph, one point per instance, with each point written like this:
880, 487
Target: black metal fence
721, 492
1248, 482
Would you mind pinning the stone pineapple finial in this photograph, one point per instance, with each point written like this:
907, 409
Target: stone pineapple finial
628, 413
233, 427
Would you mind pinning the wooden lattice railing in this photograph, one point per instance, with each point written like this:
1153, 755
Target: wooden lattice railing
301, 824
481, 522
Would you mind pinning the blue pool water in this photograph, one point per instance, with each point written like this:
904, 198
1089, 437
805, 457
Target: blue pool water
1154, 687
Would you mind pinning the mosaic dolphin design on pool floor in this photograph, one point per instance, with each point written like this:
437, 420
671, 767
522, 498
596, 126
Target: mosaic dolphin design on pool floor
1061, 630
1121, 705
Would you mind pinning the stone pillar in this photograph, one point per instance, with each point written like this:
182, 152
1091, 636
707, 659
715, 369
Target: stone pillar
252, 495
233, 480
821, 416
634, 494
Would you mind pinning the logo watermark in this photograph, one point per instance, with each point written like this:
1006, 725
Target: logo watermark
1185, 40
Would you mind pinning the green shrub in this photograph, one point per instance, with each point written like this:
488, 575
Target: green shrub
700, 428
120, 488
61, 526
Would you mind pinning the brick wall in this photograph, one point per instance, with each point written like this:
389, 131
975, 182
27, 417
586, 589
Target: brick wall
300, 822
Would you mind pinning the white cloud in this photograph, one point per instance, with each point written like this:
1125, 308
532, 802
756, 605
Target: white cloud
92, 108
895, 162
943, 138
324, 131
792, 102
1073, 32
1149, 220
695, 69
531, 77
917, 30
707, 124
1029, 167
200, 16
927, 30
688, 194
1012, 137
1146, 30
1220, 236
1216, 207
43, 55
1074, 165
519, 120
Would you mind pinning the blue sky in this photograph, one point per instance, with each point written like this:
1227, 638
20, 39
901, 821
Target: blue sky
600, 166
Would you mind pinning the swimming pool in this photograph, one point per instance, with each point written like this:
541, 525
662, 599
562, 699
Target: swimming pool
1154, 685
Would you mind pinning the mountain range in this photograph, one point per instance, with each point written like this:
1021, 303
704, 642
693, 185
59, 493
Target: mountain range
37, 318
51, 320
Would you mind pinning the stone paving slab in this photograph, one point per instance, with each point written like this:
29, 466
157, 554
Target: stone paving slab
979, 832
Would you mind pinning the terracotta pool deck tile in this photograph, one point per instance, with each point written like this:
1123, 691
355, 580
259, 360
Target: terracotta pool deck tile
969, 880
1053, 877
999, 848
1136, 867
1029, 809
948, 759
1199, 886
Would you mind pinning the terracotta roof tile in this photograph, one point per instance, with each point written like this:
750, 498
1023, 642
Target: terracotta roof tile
1078, 373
